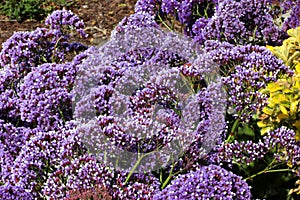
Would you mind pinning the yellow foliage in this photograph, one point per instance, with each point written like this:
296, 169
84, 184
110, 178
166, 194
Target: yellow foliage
284, 95
289, 51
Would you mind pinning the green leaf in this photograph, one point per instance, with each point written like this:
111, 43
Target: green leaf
246, 130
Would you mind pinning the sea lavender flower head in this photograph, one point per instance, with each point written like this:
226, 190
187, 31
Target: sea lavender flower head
207, 182
137, 100
241, 22
24, 51
60, 18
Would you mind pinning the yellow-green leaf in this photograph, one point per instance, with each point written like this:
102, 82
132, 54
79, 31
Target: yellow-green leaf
297, 67
295, 33
279, 98
293, 107
293, 57
287, 90
297, 135
268, 111
283, 110
297, 124
273, 87
281, 116
261, 124
265, 130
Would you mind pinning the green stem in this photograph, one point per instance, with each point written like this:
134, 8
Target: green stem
236, 123
166, 182
268, 169
173, 24
135, 166
241, 167
14, 89
54, 50
164, 23
233, 129
168, 178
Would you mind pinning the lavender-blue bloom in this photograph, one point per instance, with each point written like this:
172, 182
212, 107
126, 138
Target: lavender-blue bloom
26, 50
147, 6
134, 22
241, 22
246, 69
293, 20
60, 18
170, 6
139, 186
280, 142
11, 192
197, 29
45, 96
39, 156
205, 183
80, 173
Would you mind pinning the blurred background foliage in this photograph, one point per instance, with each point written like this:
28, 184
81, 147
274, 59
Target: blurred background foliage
21, 10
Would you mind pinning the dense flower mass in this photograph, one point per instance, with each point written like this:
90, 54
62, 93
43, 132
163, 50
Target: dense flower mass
249, 151
207, 182
246, 70
26, 50
152, 114
61, 18
237, 22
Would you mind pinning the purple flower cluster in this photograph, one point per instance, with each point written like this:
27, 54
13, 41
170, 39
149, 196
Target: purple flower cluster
63, 124
9, 81
29, 102
140, 186
246, 69
147, 6
242, 21
285, 13
205, 183
60, 19
11, 192
26, 50
206, 136
134, 128
45, 95
35, 109
134, 22
198, 29
12, 140
284, 145
237, 22
81, 173
36, 155
281, 142
294, 19
85, 173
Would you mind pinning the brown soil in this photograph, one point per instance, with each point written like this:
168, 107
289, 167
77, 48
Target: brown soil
99, 16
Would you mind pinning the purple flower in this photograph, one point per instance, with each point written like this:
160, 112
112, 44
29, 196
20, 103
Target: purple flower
11, 192
241, 22
280, 142
170, 6
206, 182
147, 6
61, 18
24, 51
246, 69
197, 29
